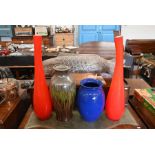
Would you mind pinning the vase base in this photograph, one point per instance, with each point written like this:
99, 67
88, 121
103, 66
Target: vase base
114, 118
90, 120
44, 118
64, 118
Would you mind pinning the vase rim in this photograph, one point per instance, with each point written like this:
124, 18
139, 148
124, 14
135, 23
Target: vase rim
91, 80
61, 68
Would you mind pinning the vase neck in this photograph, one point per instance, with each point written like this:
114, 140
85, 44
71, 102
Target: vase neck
119, 51
37, 50
90, 83
61, 73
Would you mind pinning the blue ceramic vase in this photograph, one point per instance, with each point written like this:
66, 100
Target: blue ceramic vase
90, 99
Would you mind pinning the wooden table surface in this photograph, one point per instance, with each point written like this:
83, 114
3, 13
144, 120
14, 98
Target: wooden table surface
12, 112
127, 125
14, 67
133, 83
136, 84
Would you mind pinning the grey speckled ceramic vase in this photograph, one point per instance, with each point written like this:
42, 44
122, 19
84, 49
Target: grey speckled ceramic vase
63, 91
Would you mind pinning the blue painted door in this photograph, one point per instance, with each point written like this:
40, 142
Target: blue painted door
89, 33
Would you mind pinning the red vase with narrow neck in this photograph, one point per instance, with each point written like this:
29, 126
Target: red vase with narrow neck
42, 101
115, 100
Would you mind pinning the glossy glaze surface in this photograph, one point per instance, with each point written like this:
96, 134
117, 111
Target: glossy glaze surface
115, 103
90, 99
63, 91
42, 102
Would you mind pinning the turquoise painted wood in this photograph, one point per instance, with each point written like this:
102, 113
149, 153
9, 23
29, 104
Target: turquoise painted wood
6, 31
89, 33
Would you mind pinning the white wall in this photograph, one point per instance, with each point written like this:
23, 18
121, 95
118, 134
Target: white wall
138, 32
76, 35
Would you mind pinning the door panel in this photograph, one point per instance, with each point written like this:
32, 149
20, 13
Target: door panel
88, 28
87, 37
109, 27
89, 33
108, 37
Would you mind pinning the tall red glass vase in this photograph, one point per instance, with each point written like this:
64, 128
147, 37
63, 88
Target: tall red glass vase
115, 99
42, 102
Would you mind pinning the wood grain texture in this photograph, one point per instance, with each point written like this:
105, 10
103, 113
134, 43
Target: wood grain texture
104, 49
137, 46
69, 39
136, 84
27, 40
146, 116
12, 113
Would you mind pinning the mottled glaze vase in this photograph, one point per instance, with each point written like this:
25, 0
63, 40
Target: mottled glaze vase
90, 99
63, 91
